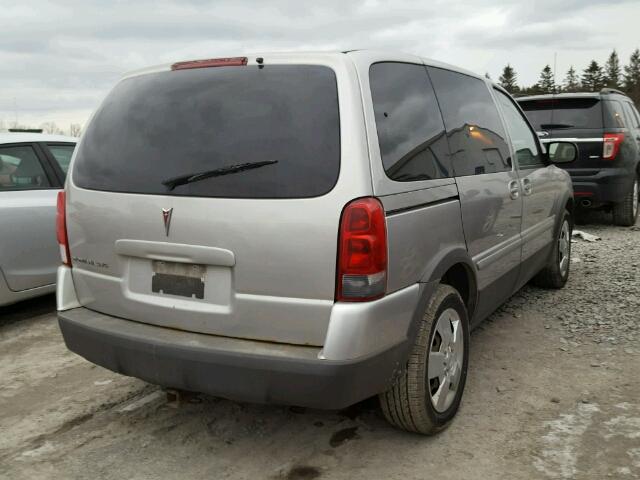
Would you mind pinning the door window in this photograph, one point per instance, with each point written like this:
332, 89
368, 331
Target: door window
20, 169
62, 155
411, 133
522, 138
477, 140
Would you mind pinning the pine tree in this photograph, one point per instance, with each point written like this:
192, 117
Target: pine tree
612, 71
546, 83
509, 79
571, 81
632, 77
593, 77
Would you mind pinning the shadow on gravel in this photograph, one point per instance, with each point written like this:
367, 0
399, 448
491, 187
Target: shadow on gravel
27, 309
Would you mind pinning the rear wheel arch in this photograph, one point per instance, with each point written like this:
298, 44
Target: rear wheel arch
462, 278
454, 267
570, 207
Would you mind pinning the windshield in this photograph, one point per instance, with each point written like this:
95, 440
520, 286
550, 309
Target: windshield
166, 125
563, 113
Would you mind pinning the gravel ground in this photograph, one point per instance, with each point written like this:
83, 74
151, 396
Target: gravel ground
552, 393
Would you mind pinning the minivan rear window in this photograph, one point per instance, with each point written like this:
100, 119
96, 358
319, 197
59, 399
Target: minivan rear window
250, 131
563, 113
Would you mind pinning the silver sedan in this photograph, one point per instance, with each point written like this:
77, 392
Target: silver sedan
33, 168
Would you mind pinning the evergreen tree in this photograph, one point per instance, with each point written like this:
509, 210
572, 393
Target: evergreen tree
509, 79
612, 71
571, 81
632, 77
546, 83
593, 77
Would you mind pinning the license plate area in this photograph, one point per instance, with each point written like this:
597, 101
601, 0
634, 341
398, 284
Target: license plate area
181, 279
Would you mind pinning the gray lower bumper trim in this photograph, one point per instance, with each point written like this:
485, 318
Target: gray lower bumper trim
243, 370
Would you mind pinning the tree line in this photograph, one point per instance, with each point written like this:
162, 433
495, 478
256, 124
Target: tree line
593, 78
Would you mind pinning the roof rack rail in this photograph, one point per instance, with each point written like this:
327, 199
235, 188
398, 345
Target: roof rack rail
612, 90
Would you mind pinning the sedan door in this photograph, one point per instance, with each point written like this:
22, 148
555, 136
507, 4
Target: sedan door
28, 188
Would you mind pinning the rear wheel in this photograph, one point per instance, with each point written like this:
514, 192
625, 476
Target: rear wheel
427, 395
625, 213
556, 272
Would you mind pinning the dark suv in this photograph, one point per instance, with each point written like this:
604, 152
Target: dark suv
606, 126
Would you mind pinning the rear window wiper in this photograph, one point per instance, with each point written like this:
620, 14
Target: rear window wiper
554, 126
172, 183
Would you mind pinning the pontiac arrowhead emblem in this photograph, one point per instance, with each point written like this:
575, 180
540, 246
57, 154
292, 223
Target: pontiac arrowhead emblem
166, 218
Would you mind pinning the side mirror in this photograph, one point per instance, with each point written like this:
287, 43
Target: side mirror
562, 152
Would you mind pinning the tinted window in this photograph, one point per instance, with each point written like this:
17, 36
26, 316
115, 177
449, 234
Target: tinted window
522, 138
563, 113
613, 115
635, 110
410, 129
475, 132
20, 169
62, 155
156, 127
632, 118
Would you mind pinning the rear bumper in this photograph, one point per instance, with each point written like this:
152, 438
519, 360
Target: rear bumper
608, 185
243, 370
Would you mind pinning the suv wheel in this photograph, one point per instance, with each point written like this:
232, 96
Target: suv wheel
427, 395
556, 272
625, 213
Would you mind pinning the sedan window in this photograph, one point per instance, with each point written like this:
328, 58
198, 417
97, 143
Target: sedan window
20, 169
62, 155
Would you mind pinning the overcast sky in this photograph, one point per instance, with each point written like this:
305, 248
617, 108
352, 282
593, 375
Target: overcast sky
59, 58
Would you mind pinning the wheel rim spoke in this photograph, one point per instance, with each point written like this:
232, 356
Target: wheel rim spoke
436, 365
441, 395
564, 246
445, 361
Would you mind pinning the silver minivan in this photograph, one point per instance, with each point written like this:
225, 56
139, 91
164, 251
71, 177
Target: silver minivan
306, 229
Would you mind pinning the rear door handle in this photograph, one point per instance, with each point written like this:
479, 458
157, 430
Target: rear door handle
527, 186
514, 189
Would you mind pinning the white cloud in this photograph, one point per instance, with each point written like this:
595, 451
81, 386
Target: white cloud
58, 59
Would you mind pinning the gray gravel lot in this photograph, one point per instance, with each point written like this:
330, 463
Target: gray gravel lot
552, 393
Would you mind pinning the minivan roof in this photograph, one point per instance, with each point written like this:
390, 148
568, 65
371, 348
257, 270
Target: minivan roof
13, 137
301, 57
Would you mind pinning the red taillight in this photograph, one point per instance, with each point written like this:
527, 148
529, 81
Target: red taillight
210, 62
362, 252
612, 142
61, 229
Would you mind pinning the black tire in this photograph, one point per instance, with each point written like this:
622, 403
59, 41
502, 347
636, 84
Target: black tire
553, 275
625, 213
408, 404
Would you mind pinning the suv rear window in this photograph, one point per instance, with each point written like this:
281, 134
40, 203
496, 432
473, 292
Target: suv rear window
160, 126
563, 113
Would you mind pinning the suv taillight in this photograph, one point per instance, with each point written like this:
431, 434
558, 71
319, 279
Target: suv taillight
61, 229
612, 142
362, 252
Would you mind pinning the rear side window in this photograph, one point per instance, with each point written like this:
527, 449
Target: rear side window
563, 113
632, 116
635, 110
411, 133
62, 154
524, 142
613, 115
477, 140
20, 169
235, 132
